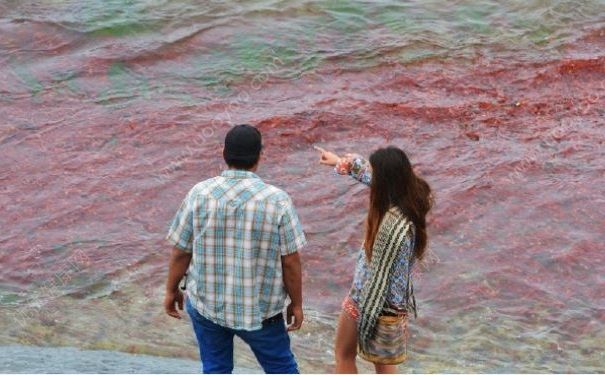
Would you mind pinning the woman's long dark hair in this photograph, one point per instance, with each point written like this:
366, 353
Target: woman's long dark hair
394, 183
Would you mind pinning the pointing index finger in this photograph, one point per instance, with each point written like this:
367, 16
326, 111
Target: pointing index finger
319, 149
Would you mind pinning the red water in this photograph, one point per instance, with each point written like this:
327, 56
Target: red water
513, 150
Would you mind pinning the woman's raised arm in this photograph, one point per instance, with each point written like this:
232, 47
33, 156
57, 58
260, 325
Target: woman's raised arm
351, 164
355, 166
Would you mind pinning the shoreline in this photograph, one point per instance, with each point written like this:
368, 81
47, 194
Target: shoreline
41, 359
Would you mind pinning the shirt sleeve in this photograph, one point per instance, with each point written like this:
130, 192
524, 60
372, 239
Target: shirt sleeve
291, 235
180, 233
357, 167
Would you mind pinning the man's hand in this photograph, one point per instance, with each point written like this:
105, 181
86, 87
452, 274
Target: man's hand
179, 261
292, 270
171, 300
295, 317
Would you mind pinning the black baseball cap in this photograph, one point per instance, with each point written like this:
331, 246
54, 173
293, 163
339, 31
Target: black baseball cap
243, 144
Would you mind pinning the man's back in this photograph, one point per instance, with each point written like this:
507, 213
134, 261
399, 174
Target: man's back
237, 228
237, 240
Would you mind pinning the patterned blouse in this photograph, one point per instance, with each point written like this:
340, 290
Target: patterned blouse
359, 168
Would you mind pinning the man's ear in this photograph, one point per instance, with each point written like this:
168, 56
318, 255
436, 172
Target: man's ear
224, 158
260, 156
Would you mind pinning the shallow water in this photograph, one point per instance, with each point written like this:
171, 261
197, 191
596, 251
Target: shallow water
112, 110
35, 359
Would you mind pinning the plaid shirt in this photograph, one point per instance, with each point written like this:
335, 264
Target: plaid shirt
237, 228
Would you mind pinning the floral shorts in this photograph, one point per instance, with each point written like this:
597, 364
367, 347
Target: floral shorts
350, 307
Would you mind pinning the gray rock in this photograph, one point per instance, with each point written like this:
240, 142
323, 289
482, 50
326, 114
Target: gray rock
34, 359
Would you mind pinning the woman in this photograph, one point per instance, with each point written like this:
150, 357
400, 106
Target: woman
395, 236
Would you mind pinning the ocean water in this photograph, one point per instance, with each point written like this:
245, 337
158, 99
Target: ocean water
112, 110
66, 360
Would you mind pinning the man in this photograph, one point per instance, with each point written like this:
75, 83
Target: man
237, 240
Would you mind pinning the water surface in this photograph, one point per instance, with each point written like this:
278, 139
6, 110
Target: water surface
112, 110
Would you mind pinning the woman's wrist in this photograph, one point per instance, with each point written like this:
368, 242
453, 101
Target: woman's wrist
343, 166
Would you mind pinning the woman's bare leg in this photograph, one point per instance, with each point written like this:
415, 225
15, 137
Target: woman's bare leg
385, 369
345, 346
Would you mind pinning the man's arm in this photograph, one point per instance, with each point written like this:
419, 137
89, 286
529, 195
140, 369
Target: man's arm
292, 274
179, 262
291, 240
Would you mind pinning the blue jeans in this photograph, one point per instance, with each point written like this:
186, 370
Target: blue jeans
270, 344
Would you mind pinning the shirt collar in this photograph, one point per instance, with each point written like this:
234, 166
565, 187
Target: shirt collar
238, 174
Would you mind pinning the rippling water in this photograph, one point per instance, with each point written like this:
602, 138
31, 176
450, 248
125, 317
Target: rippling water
111, 110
